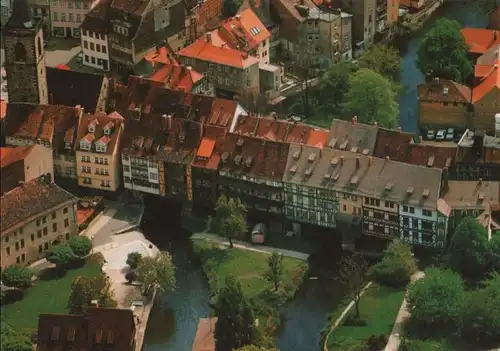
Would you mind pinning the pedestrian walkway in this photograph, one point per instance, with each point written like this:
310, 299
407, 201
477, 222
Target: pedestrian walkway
403, 315
247, 246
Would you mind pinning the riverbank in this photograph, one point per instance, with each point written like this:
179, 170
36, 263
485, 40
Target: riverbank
219, 262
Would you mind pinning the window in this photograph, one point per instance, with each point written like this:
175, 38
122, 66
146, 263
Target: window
427, 213
70, 17
85, 44
54, 227
17, 246
92, 46
54, 215
46, 246
255, 31
44, 220
98, 47
78, 5
39, 233
55, 16
93, 60
412, 209
18, 260
86, 58
66, 222
67, 236
78, 17
22, 243
45, 231
63, 17
19, 52
70, 4
32, 237
6, 239
104, 49
405, 208
7, 250
40, 248
65, 210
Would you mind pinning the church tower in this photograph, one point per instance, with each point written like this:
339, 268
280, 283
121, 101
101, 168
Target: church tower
24, 56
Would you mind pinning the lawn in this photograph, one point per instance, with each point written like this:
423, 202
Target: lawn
379, 307
48, 295
246, 266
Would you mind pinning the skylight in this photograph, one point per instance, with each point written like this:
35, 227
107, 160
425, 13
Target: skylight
255, 30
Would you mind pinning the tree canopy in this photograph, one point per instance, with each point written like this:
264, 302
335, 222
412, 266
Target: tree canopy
397, 265
436, 301
86, 289
17, 277
230, 218
133, 259
14, 340
372, 98
351, 273
156, 273
254, 348
80, 245
468, 252
235, 318
61, 255
383, 59
274, 272
443, 52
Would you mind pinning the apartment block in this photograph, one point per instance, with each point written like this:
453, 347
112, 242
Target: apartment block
68, 15
94, 36
21, 164
35, 216
364, 22
98, 159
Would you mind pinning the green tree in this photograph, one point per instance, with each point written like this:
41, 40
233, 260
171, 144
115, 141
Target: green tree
14, 340
81, 245
230, 218
383, 59
235, 318
61, 255
352, 273
443, 52
254, 348
468, 252
372, 98
17, 277
481, 321
494, 247
133, 259
333, 86
231, 7
397, 265
86, 289
436, 301
156, 273
274, 272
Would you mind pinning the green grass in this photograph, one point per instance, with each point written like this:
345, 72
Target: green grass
379, 307
48, 295
246, 266
62, 44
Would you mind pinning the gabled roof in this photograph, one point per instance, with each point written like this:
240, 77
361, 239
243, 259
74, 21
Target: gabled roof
71, 88
97, 18
480, 40
203, 50
103, 119
211, 155
254, 157
50, 123
489, 82
162, 55
472, 194
394, 144
11, 154
352, 136
443, 90
136, 7
177, 77
243, 31
28, 201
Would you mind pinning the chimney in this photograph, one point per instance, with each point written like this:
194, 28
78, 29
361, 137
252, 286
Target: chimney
357, 162
341, 160
209, 37
444, 184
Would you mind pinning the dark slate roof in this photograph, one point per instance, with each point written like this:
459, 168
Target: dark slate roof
29, 200
21, 14
98, 18
71, 88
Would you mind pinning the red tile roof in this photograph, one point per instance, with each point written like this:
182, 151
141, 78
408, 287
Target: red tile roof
432, 156
102, 119
203, 50
489, 82
206, 147
254, 157
3, 108
480, 40
177, 77
393, 144
443, 90
243, 32
213, 133
163, 56
9, 155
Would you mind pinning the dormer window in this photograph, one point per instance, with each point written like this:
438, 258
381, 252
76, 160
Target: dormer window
92, 125
108, 128
102, 144
86, 142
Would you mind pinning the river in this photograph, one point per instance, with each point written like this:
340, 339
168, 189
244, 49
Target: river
468, 14
175, 317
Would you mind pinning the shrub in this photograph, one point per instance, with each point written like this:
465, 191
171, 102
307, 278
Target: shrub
11, 296
17, 276
353, 321
61, 255
396, 267
81, 245
133, 259
131, 277
377, 342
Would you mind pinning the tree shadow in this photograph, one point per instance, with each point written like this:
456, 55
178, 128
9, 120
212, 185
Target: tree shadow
51, 273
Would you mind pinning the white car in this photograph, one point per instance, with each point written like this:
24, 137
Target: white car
450, 134
431, 134
441, 134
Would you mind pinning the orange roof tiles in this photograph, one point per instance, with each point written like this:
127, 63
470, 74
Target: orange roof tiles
317, 138
244, 27
9, 155
102, 119
3, 108
480, 40
177, 77
203, 50
206, 147
490, 82
163, 56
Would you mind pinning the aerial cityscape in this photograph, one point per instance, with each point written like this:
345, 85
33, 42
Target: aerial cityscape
250, 175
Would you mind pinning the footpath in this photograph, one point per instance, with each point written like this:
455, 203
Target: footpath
247, 246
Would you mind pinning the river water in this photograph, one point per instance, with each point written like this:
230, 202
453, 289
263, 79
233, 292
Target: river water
468, 14
175, 317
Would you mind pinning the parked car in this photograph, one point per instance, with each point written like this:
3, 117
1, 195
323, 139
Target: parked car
259, 233
431, 134
450, 134
441, 134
